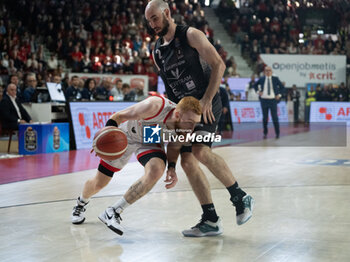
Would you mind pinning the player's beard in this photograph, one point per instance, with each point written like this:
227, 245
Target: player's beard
165, 29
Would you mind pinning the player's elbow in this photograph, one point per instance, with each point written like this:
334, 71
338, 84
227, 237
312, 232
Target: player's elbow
220, 65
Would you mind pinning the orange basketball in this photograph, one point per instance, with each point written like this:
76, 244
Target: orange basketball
110, 143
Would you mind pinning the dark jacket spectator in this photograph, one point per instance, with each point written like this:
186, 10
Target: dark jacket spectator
89, 90
129, 95
30, 93
342, 93
11, 110
103, 92
73, 93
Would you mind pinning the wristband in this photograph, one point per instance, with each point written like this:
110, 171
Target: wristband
111, 122
171, 164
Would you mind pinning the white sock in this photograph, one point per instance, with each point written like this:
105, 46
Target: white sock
120, 205
84, 200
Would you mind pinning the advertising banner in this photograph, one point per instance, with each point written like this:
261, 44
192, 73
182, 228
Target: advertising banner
250, 112
303, 69
89, 117
43, 138
330, 112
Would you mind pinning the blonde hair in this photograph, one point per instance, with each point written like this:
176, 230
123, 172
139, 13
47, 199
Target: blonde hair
189, 103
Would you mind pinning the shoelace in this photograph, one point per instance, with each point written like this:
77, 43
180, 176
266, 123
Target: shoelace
201, 222
117, 216
78, 209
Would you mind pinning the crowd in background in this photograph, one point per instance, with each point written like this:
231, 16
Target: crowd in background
90, 36
38, 39
273, 27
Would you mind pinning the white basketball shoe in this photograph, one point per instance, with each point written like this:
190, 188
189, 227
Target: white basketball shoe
111, 218
78, 213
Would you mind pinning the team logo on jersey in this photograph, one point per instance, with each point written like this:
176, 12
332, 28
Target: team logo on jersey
176, 73
151, 134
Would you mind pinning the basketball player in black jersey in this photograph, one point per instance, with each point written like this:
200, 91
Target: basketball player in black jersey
190, 66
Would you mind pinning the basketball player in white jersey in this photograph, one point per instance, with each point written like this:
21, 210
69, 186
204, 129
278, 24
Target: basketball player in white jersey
155, 109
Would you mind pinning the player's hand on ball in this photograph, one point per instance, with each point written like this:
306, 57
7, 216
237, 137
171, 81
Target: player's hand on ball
171, 178
92, 150
208, 115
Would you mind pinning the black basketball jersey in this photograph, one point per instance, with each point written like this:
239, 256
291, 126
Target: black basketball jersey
183, 72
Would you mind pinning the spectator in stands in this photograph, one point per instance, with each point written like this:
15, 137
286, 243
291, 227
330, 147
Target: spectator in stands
13, 79
231, 63
77, 57
139, 68
89, 90
86, 64
117, 91
52, 63
245, 47
5, 60
326, 94
56, 79
32, 62
318, 91
12, 112
254, 51
139, 91
129, 95
73, 93
342, 94
295, 97
30, 94
103, 91
12, 69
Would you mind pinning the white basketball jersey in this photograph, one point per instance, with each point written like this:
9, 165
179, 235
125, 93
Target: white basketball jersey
133, 128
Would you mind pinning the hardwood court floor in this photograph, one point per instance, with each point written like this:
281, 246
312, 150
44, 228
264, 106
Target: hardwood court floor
302, 212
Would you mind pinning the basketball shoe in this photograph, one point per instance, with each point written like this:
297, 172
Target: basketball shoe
111, 218
204, 228
78, 213
248, 205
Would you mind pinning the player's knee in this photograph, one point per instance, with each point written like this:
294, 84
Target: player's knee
188, 166
201, 153
155, 171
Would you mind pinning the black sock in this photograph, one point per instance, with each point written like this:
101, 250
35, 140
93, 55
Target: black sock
236, 197
209, 213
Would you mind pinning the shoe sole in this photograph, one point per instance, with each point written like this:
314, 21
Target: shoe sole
79, 222
115, 230
204, 235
